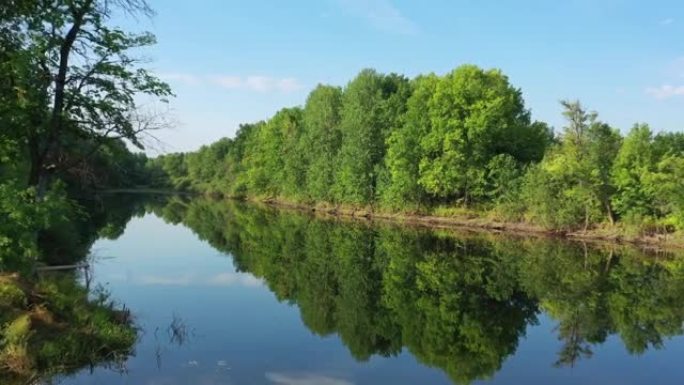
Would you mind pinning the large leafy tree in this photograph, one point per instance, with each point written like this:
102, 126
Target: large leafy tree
647, 176
634, 162
75, 74
273, 165
666, 186
322, 139
474, 115
403, 148
573, 185
373, 105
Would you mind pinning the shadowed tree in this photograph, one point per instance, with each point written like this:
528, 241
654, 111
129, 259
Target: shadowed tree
77, 75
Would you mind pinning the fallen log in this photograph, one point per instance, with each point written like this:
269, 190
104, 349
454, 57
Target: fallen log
62, 267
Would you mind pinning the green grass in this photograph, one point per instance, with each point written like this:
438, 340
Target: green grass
55, 326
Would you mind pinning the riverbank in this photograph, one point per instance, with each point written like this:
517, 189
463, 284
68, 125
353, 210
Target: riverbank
50, 325
472, 220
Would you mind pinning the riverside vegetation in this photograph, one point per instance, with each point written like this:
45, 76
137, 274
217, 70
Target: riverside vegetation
68, 90
458, 145
453, 145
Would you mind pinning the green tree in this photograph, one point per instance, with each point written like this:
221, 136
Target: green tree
322, 140
293, 180
666, 185
573, 184
76, 73
634, 162
272, 166
671, 143
372, 106
474, 115
404, 151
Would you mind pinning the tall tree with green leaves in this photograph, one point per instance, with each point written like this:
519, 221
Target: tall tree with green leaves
404, 150
293, 180
576, 174
474, 115
322, 140
372, 106
78, 70
666, 186
273, 163
633, 163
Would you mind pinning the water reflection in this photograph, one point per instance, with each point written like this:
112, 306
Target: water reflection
462, 303
458, 302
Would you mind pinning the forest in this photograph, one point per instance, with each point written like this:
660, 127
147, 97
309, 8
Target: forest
463, 144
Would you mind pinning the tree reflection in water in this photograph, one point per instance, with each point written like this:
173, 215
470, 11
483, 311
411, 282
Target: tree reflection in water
457, 301
460, 302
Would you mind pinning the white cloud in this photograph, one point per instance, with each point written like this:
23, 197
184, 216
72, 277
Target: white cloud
259, 83
289, 85
305, 379
667, 21
381, 14
231, 82
255, 83
665, 91
187, 79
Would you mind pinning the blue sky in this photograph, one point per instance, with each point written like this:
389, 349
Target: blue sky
231, 62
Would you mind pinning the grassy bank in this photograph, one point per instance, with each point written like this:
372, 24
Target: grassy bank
51, 326
483, 220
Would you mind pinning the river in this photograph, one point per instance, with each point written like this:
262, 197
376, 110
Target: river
228, 293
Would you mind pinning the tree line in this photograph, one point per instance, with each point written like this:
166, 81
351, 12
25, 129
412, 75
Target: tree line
424, 145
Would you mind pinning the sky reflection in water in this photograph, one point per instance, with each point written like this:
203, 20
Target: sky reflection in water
204, 322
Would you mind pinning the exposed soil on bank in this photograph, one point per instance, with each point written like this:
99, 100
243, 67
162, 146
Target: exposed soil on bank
470, 222
658, 242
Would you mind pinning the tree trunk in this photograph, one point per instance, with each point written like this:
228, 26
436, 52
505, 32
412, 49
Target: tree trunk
609, 212
42, 170
586, 218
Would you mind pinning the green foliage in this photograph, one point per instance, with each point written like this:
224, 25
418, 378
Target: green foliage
474, 115
404, 151
69, 91
171, 171
572, 187
322, 140
10, 295
647, 176
453, 144
23, 217
548, 202
666, 185
64, 332
372, 106
17, 331
633, 164
68, 111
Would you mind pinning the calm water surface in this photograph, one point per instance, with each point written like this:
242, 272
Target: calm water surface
230, 294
